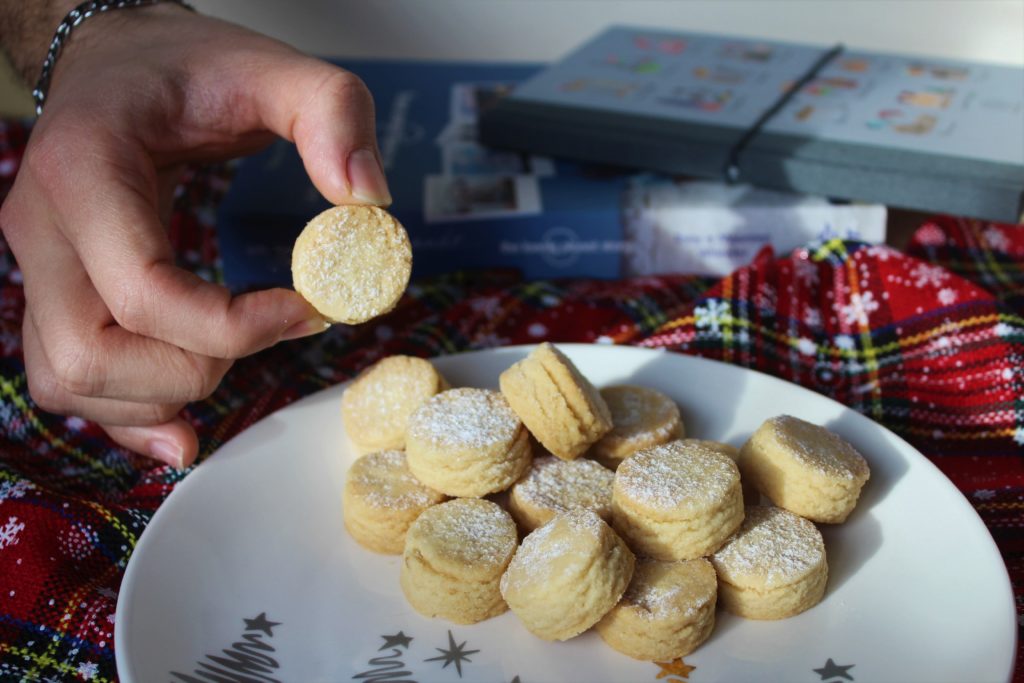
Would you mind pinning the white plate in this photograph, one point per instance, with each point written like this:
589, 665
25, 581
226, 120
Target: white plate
917, 589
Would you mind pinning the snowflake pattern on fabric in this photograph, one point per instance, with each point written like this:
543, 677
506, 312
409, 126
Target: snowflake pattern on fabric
9, 532
712, 316
87, 670
924, 275
14, 489
996, 238
930, 235
861, 304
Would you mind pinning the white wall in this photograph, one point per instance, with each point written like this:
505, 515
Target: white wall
543, 30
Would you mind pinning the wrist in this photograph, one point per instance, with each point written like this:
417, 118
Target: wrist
26, 29
89, 12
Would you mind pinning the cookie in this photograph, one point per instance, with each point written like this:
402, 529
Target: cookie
352, 263
557, 404
376, 406
774, 567
751, 496
553, 485
381, 498
641, 418
676, 501
667, 611
726, 449
566, 575
454, 557
804, 468
467, 442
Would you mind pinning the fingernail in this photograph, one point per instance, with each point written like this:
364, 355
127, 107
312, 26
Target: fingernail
367, 178
167, 452
305, 328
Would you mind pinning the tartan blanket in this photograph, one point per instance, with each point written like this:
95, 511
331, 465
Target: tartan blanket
928, 342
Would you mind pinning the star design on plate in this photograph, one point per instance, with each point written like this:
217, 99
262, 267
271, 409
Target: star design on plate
677, 667
832, 670
397, 640
454, 653
261, 623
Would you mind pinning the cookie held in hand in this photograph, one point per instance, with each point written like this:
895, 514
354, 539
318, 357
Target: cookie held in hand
352, 263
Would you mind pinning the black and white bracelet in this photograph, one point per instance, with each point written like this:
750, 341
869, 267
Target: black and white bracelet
63, 32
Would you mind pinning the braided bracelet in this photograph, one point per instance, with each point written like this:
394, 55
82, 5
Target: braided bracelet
63, 32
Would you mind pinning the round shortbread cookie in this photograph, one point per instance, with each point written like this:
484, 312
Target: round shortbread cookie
804, 468
566, 575
553, 485
667, 611
467, 442
381, 498
557, 404
773, 567
676, 501
376, 407
641, 418
724, 448
751, 496
455, 555
352, 263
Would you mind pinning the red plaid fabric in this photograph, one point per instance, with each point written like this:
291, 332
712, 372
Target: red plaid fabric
928, 343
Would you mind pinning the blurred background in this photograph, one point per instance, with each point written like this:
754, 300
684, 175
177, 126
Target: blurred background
543, 30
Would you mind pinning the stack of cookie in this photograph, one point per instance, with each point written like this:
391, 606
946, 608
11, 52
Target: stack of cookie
628, 527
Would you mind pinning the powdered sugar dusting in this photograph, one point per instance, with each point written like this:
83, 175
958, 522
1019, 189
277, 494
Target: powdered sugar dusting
774, 544
471, 531
381, 399
561, 485
674, 591
635, 408
818, 447
384, 399
555, 549
385, 482
465, 418
352, 262
678, 474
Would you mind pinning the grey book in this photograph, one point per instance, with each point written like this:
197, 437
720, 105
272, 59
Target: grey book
910, 132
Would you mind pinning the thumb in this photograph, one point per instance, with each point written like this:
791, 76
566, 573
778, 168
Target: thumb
328, 112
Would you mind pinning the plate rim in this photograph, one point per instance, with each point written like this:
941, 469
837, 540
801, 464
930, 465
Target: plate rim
122, 633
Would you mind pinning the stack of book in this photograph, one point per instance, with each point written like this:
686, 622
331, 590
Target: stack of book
918, 133
466, 205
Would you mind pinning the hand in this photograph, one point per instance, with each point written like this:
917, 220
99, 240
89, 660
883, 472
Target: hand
113, 331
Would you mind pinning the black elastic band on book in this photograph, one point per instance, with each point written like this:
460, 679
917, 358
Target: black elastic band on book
732, 165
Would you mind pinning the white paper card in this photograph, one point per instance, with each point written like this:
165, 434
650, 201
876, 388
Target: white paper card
711, 228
